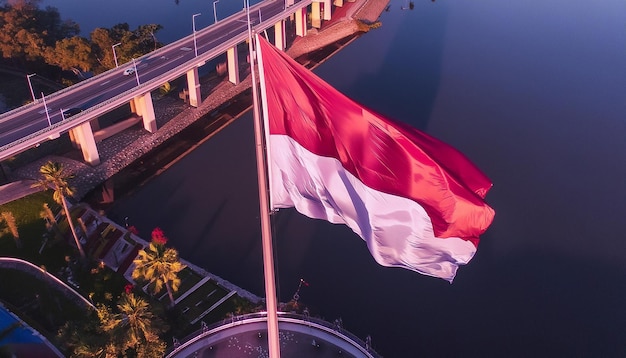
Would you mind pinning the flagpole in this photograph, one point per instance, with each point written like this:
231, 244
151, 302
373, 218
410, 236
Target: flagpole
271, 301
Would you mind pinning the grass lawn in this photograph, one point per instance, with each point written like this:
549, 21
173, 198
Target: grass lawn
32, 229
38, 304
45, 309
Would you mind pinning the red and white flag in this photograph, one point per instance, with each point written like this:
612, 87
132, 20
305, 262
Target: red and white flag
417, 202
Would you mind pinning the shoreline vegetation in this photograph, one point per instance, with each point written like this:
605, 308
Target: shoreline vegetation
133, 156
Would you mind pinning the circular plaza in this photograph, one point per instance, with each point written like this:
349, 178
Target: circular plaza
246, 336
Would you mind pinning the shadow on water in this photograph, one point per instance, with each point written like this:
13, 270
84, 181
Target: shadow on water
529, 304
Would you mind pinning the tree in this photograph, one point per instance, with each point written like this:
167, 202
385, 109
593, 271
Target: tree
133, 328
27, 32
140, 323
72, 53
159, 265
86, 338
56, 178
9, 221
133, 43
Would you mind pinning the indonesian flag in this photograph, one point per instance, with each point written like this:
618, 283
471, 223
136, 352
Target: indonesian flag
417, 202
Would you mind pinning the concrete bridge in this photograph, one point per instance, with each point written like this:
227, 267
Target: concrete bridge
76, 109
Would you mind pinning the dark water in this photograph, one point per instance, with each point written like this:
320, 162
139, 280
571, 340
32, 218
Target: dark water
534, 93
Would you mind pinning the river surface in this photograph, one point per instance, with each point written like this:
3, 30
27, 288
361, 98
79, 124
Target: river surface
533, 92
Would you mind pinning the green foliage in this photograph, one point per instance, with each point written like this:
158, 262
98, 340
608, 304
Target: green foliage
132, 44
40, 305
47, 215
32, 35
27, 32
166, 89
31, 227
72, 53
159, 265
8, 221
56, 178
128, 330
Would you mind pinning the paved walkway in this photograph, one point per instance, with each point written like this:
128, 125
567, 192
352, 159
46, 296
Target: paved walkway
16, 190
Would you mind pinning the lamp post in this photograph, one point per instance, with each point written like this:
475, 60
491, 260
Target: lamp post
136, 74
46, 109
30, 85
193, 22
215, 10
154, 39
114, 55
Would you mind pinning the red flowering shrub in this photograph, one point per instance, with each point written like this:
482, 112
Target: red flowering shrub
133, 230
158, 236
128, 288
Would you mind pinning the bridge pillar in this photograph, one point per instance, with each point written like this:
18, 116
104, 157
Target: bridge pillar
327, 8
142, 106
301, 22
279, 35
233, 65
193, 84
84, 137
73, 139
316, 14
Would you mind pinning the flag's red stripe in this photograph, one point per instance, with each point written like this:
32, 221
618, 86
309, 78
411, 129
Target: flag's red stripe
385, 155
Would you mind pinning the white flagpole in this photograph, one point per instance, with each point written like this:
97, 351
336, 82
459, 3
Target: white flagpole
266, 129
271, 301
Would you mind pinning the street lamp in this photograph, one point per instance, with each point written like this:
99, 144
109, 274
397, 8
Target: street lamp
115, 56
30, 85
136, 74
193, 21
46, 109
215, 10
154, 39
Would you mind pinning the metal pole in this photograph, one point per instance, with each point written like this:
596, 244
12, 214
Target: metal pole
114, 55
46, 109
30, 85
193, 22
136, 74
154, 39
215, 10
271, 300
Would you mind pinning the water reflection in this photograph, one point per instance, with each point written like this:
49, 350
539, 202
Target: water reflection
533, 93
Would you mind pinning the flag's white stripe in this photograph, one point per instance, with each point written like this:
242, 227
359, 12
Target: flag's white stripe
398, 232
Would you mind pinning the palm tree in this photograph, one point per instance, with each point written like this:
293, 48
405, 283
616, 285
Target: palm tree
133, 327
140, 325
56, 178
159, 266
11, 227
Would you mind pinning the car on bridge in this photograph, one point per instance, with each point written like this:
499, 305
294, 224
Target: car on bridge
129, 71
71, 112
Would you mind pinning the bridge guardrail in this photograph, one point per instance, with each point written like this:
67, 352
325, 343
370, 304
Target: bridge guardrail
282, 316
